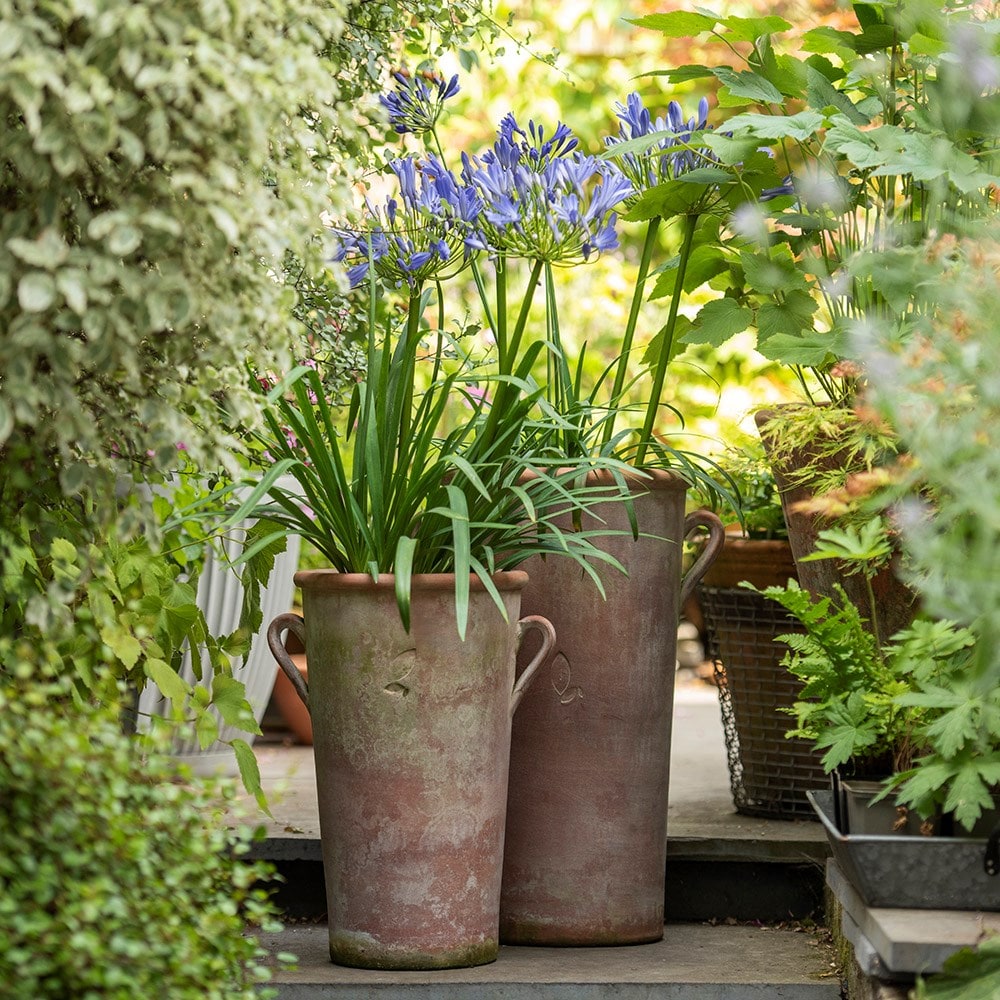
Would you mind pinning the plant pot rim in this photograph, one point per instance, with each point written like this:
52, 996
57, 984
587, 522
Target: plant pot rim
331, 579
645, 478
738, 540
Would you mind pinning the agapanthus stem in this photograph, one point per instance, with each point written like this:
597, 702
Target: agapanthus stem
522, 316
621, 370
660, 372
507, 351
409, 372
562, 393
500, 327
477, 273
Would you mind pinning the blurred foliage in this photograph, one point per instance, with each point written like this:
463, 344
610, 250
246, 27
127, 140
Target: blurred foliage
163, 167
572, 63
116, 880
746, 470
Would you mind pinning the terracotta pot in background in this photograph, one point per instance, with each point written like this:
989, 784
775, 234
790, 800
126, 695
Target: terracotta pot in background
897, 604
291, 706
585, 857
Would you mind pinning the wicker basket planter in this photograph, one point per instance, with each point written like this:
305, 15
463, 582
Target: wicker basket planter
768, 773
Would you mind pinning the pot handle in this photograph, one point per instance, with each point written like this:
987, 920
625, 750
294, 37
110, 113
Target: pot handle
292, 623
716, 539
548, 633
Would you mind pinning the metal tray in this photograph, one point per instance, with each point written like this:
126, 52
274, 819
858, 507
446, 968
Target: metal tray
925, 873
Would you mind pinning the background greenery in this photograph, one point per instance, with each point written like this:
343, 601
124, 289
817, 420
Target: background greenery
116, 881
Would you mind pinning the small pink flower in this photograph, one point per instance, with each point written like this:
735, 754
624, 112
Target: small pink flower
476, 393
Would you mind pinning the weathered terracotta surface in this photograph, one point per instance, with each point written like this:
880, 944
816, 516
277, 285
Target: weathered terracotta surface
411, 735
895, 601
585, 857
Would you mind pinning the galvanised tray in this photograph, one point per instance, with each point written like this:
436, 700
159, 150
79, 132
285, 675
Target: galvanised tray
926, 873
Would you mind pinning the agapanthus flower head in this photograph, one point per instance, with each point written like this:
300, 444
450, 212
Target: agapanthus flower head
667, 158
542, 198
416, 102
427, 233
531, 147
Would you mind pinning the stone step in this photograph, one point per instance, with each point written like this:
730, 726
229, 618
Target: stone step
693, 962
697, 889
720, 864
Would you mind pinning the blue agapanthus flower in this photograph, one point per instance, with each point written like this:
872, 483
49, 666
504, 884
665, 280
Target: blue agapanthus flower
542, 198
417, 101
666, 159
786, 187
428, 233
531, 147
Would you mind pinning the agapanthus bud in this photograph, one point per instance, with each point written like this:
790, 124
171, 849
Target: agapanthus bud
416, 103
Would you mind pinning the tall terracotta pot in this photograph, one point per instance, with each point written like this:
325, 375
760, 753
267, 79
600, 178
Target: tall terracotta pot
896, 602
585, 858
411, 737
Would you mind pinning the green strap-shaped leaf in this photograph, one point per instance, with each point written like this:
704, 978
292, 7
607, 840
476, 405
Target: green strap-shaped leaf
462, 550
403, 570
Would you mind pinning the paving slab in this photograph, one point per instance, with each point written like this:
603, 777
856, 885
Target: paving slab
693, 962
905, 941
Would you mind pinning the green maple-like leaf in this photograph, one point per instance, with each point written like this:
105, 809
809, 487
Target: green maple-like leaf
718, 321
749, 85
801, 126
968, 795
230, 698
969, 974
676, 23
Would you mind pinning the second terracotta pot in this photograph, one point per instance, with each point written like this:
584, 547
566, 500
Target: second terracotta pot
585, 855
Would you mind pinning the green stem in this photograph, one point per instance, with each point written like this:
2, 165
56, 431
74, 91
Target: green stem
660, 373
409, 373
477, 274
633, 317
873, 616
439, 350
507, 350
522, 316
565, 398
500, 327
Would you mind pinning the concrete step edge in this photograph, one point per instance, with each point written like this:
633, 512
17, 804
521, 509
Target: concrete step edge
693, 962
